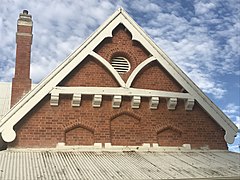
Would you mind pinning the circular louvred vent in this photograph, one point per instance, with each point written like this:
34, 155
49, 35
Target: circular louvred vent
120, 64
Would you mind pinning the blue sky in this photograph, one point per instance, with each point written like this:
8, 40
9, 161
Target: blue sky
201, 37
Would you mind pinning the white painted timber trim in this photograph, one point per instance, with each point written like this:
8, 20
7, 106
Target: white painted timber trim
76, 100
97, 100
171, 103
119, 91
116, 101
8, 134
109, 67
189, 103
137, 70
54, 99
153, 103
136, 101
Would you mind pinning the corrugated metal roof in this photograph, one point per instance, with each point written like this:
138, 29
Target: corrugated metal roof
5, 97
28, 164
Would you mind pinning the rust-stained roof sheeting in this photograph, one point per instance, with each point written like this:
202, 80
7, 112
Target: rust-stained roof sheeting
27, 164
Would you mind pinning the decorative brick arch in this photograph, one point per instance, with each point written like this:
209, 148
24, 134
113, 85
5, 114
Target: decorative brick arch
169, 136
160, 128
129, 113
79, 133
125, 129
76, 124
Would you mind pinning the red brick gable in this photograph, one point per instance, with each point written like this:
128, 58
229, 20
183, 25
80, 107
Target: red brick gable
45, 125
92, 73
155, 103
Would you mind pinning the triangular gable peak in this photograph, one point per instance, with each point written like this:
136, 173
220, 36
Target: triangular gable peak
49, 84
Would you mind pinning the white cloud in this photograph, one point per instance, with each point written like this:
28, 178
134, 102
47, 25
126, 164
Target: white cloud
203, 8
207, 84
231, 109
145, 6
235, 147
191, 48
237, 121
233, 112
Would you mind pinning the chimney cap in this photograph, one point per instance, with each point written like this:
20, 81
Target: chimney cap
25, 18
25, 11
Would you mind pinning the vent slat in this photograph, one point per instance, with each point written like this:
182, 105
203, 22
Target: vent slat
120, 67
117, 62
120, 64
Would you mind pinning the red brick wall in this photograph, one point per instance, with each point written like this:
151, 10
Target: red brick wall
156, 77
79, 136
90, 73
47, 125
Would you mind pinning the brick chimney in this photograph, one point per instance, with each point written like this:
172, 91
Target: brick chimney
21, 83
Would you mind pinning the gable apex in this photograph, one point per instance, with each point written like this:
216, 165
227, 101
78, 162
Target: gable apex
49, 84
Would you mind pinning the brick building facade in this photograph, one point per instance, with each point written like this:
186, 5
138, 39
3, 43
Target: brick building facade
117, 89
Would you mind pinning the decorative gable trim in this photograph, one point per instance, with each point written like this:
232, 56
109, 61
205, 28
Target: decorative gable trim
97, 100
154, 101
54, 99
138, 69
76, 100
109, 67
189, 103
171, 103
120, 16
116, 101
136, 100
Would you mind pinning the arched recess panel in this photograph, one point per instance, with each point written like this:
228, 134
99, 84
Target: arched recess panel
85, 75
79, 136
169, 137
154, 76
125, 131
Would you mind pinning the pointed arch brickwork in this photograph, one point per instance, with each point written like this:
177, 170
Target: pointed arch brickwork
125, 129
